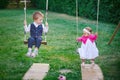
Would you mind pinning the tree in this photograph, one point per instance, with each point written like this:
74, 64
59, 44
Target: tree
17, 1
4, 4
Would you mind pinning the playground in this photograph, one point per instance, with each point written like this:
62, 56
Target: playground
60, 51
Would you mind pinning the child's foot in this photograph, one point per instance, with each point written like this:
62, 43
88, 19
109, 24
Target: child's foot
93, 64
29, 52
33, 55
83, 64
35, 52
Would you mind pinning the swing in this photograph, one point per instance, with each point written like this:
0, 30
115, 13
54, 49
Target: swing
77, 19
87, 72
25, 39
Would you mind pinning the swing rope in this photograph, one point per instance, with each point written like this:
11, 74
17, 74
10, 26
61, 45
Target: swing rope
46, 10
77, 18
46, 16
25, 9
25, 19
98, 3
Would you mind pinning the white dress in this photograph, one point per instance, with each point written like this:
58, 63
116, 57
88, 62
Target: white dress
88, 50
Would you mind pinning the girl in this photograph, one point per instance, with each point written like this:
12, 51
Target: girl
88, 48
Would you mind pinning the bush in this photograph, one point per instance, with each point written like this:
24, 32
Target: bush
4, 4
109, 9
41, 4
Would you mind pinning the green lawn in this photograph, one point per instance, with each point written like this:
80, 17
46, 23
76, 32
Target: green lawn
60, 52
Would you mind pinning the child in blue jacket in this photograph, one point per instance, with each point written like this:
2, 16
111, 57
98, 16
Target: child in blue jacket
36, 29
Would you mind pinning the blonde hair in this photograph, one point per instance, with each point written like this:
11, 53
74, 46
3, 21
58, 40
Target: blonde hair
37, 14
89, 29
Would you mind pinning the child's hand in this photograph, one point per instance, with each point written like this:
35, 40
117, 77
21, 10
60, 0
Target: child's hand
46, 23
25, 22
96, 33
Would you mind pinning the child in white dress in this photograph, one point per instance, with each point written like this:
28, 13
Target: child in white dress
88, 48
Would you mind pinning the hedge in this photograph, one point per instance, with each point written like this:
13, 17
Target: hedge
109, 9
4, 4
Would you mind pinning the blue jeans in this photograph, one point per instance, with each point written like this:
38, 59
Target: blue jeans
34, 41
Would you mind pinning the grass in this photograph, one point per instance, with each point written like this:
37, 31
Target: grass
60, 51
